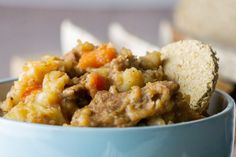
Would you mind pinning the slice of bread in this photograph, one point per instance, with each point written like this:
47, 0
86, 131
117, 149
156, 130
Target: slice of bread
194, 66
213, 20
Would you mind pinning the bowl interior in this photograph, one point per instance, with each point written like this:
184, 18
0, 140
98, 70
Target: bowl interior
217, 103
5, 86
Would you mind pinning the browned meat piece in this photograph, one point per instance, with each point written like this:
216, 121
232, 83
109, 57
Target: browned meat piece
73, 91
71, 59
181, 112
123, 61
153, 75
78, 93
72, 56
81, 91
1, 113
74, 97
127, 108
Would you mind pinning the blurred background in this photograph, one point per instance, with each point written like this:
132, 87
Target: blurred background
33, 27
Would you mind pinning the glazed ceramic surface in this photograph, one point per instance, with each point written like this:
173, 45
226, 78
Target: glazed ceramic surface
209, 137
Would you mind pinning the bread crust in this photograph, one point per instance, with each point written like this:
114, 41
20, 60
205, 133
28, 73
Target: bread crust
194, 66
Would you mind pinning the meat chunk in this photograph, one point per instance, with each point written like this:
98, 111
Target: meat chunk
123, 61
181, 112
74, 97
71, 59
81, 92
127, 108
153, 75
1, 113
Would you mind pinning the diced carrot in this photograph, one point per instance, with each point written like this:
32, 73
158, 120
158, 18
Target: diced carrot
98, 82
98, 57
31, 89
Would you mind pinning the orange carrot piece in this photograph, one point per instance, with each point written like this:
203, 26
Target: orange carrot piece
98, 57
31, 89
97, 81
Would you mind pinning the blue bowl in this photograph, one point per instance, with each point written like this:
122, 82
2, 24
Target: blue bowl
209, 137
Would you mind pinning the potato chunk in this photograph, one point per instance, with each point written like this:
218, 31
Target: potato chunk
30, 79
151, 60
124, 80
42, 106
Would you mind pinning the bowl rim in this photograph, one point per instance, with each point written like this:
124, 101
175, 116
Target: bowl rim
7, 80
230, 106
